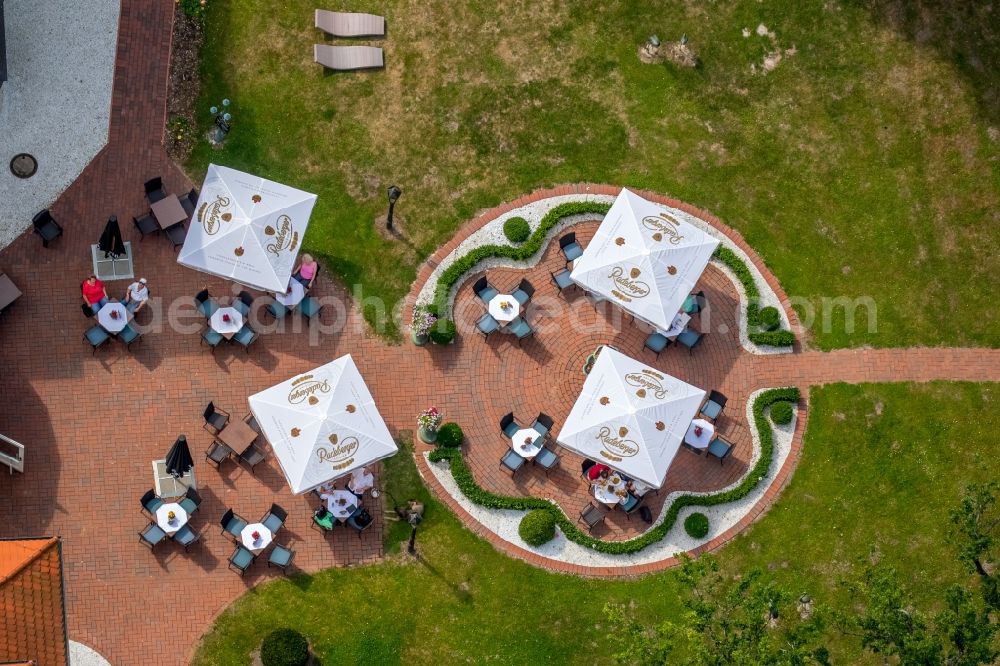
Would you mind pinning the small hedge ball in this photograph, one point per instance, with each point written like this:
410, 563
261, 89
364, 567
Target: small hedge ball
443, 332
538, 527
516, 229
781, 413
769, 318
696, 525
284, 647
450, 435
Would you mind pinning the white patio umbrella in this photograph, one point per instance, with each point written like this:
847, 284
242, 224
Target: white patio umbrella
631, 417
322, 424
645, 257
247, 229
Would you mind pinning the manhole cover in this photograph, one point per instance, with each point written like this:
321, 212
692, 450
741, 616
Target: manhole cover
23, 165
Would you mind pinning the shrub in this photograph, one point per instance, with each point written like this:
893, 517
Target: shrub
781, 412
769, 318
450, 435
443, 332
284, 647
516, 229
194, 8
696, 525
538, 527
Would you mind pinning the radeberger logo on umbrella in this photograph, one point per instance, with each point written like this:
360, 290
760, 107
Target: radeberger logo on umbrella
341, 453
212, 214
646, 383
628, 285
305, 387
615, 444
284, 237
664, 226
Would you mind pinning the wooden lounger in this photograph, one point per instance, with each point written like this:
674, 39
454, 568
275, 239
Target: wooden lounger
343, 24
348, 57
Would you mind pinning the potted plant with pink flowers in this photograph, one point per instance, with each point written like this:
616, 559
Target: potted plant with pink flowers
428, 423
420, 324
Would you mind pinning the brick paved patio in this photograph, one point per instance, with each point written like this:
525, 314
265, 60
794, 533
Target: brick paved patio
92, 423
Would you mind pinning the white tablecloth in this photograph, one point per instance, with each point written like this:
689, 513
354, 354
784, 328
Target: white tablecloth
246, 536
681, 320
226, 328
504, 315
292, 298
707, 432
605, 489
528, 451
340, 511
107, 322
163, 518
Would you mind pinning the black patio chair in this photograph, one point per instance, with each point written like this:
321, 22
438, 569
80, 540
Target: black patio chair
630, 505
547, 459
520, 328
176, 233
191, 501
690, 339
562, 280
128, 335
46, 226
360, 520
205, 303
251, 421
150, 502
714, 405
251, 458
483, 290
244, 303
96, 336
154, 190
146, 224
720, 448
487, 324
543, 424
524, 292
152, 535
241, 559
189, 201
569, 247
232, 524
218, 453
245, 337
508, 426
591, 516
281, 557
511, 461
211, 337
656, 342
186, 537
277, 309
274, 519
215, 419
310, 307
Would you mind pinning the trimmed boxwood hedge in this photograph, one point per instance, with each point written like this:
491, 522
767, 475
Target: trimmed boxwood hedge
781, 413
696, 525
516, 229
738, 266
537, 527
472, 490
443, 332
450, 435
284, 647
769, 318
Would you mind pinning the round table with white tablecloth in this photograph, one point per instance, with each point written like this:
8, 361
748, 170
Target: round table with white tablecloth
606, 490
226, 322
699, 433
293, 295
113, 317
341, 503
168, 525
502, 314
526, 442
255, 546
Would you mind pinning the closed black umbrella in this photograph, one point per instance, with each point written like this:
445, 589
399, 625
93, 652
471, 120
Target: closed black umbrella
179, 461
111, 242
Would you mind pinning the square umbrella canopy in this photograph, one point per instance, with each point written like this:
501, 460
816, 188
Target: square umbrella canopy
322, 424
631, 417
247, 229
645, 257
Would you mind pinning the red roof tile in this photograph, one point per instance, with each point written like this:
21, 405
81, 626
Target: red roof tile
31, 602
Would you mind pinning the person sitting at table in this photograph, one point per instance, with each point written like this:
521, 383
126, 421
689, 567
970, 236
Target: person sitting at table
596, 471
361, 481
306, 271
136, 296
94, 293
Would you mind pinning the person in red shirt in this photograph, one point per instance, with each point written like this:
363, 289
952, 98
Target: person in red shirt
594, 473
94, 294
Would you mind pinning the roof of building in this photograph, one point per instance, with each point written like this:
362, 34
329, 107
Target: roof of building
32, 602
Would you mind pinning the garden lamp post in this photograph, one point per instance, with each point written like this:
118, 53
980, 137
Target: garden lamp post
222, 120
394, 194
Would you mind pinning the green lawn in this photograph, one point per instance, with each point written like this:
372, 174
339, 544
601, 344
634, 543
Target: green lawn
881, 468
862, 166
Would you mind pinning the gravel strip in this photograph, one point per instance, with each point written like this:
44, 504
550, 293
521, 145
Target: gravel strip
721, 517
492, 234
57, 101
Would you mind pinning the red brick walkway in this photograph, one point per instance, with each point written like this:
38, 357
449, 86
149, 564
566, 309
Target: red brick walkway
92, 424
